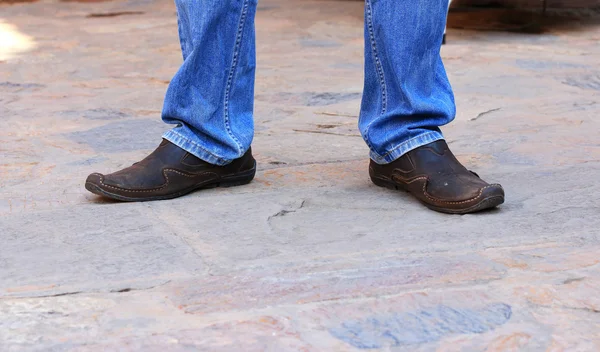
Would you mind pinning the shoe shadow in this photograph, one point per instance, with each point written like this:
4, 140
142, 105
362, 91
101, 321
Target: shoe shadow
96, 199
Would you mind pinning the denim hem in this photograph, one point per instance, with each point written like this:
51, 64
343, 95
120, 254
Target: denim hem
194, 148
406, 147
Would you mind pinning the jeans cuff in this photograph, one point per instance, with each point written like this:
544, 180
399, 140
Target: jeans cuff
194, 148
406, 147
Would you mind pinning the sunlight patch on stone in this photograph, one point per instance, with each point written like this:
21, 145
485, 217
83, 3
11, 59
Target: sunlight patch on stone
13, 42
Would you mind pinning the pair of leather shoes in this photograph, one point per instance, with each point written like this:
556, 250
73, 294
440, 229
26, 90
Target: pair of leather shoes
431, 173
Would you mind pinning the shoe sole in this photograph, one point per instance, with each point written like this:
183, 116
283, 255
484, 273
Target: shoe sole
240, 179
485, 203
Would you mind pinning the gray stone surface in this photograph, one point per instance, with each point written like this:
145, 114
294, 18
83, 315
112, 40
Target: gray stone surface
311, 256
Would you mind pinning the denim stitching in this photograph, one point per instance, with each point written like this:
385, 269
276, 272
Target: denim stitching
378, 68
423, 136
378, 65
199, 146
412, 143
366, 138
181, 37
232, 69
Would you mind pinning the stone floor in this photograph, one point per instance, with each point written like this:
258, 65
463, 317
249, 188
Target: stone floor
311, 256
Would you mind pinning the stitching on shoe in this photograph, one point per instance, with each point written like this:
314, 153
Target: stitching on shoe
457, 202
164, 172
416, 179
135, 190
407, 180
184, 174
449, 202
431, 150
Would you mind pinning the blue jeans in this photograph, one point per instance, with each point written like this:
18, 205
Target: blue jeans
406, 94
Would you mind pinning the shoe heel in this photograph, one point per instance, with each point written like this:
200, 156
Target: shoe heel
384, 183
238, 180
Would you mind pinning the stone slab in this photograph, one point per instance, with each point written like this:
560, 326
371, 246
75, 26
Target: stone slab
310, 256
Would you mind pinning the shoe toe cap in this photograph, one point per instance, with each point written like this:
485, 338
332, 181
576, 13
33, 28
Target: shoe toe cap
492, 191
94, 182
95, 178
491, 196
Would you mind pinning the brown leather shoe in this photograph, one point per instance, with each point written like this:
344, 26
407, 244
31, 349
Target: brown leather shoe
170, 172
432, 174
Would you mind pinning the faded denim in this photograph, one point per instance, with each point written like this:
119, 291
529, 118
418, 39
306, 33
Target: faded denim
406, 96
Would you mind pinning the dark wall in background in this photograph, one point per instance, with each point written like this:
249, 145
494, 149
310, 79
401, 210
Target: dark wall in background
532, 3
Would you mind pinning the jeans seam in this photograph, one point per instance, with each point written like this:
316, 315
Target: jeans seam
199, 146
366, 137
182, 38
233, 67
377, 60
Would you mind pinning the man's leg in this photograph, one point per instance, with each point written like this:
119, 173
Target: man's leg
211, 96
406, 98
210, 100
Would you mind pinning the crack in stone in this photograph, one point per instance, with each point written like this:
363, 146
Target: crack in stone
561, 306
183, 239
114, 14
48, 296
284, 212
326, 162
583, 309
131, 289
324, 132
577, 279
485, 113
122, 290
